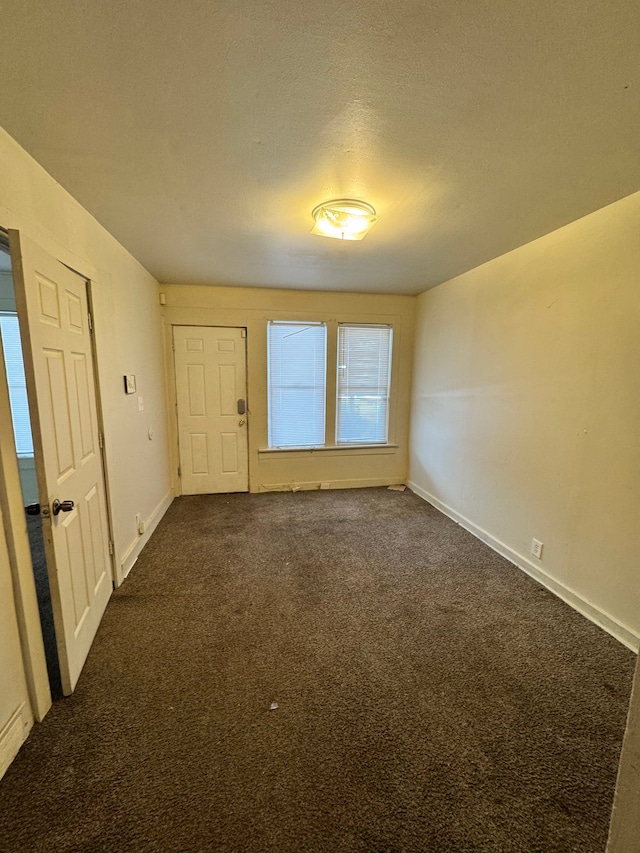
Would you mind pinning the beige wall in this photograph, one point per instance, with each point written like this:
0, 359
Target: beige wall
252, 308
526, 406
128, 339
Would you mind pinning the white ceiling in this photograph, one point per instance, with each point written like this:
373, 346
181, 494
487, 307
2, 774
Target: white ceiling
202, 133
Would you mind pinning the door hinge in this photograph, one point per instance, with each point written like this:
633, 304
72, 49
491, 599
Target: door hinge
90, 319
173, 344
243, 333
110, 546
100, 440
179, 471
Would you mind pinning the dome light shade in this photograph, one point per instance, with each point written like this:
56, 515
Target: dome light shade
343, 218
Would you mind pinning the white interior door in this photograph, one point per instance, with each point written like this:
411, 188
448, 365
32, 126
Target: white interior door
211, 383
56, 339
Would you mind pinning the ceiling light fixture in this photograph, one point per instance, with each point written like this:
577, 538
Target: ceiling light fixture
343, 218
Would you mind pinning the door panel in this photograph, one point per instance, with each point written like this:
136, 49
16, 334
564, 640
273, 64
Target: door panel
210, 365
229, 451
199, 454
197, 396
58, 410
82, 400
58, 356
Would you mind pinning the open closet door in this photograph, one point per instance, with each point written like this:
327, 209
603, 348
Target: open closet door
58, 357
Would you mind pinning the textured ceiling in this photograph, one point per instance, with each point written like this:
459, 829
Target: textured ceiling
201, 133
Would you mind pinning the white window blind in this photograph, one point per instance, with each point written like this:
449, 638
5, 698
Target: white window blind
297, 359
17, 384
364, 378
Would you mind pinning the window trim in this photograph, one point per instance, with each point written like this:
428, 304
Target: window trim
331, 445
297, 323
389, 327
390, 447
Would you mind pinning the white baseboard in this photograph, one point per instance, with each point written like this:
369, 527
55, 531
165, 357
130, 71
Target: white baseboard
133, 551
331, 484
13, 735
621, 633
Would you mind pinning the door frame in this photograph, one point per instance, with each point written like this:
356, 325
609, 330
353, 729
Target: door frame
90, 285
26, 603
172, 393
21, 567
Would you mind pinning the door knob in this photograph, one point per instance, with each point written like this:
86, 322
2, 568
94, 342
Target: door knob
61, 506
241, 422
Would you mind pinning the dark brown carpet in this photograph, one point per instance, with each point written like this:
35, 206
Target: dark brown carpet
430, 696
41, 577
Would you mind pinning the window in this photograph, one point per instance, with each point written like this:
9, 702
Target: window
298, 387
17, 384
363, 383
297, 359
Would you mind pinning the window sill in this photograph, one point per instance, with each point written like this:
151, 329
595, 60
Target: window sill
339, 448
